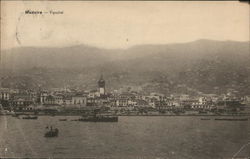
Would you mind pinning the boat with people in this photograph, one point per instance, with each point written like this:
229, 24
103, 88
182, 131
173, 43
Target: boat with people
51, 132
30, 117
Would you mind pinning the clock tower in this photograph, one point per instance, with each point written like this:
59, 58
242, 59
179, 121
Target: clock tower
101, 85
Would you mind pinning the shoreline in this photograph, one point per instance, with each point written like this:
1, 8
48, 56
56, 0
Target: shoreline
152, 115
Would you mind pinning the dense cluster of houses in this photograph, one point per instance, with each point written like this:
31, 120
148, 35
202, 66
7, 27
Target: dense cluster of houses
28, 100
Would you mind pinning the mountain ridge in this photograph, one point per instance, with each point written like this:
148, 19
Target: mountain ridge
203, 65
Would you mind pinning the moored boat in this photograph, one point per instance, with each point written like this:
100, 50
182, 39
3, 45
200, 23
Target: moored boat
15, 115
30, 117
205, 119
62, 119
232, 119
99, 118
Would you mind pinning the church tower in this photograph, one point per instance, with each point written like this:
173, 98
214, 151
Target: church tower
101, 84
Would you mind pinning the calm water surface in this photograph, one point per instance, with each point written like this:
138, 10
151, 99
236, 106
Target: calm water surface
149, 137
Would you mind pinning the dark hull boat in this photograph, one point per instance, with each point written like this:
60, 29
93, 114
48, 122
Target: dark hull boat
30, 117
99, 119
15, 115
62, 119
52, 133
232, 119
205, 119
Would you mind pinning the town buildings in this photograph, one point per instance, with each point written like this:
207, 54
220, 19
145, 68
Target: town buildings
126, 100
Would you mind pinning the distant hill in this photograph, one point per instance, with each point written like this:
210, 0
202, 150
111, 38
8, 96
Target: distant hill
68, 57
202, 65
84, 56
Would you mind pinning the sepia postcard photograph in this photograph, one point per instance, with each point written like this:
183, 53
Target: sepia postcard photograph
125, 80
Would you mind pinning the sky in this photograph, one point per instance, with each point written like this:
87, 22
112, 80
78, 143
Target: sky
110, 24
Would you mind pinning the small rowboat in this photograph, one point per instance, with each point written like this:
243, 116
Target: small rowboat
52, 133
